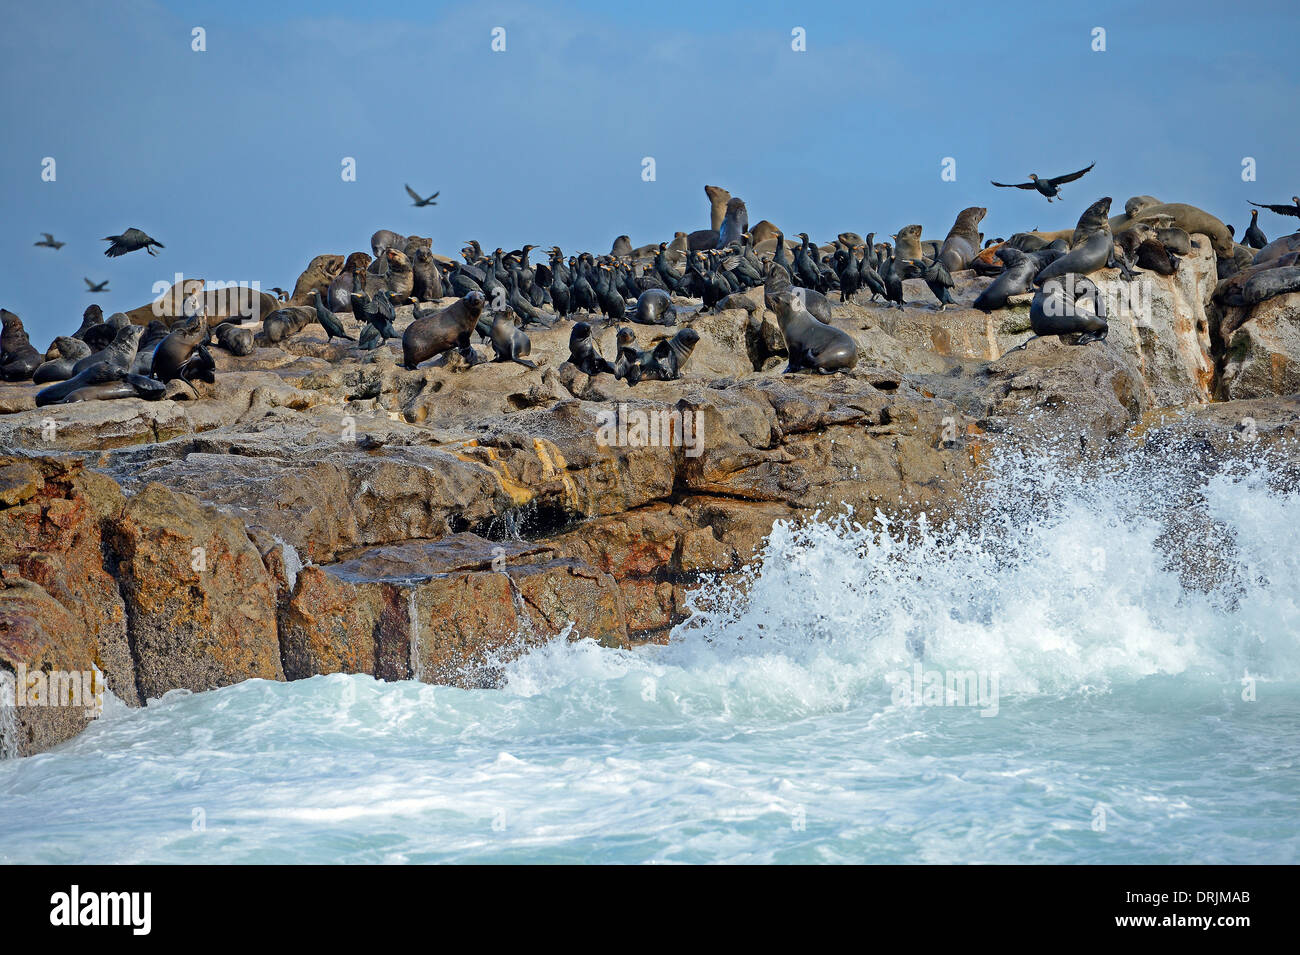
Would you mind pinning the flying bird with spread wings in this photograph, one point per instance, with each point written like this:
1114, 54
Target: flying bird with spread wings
1282, 210
49, 243
1048, 187
93, 287
419, 201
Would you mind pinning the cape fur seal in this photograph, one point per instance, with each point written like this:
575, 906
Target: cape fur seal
70, 350
1093, 246
907, 243
1056, 310
154, 333
671, 355
316, 277
431, 335
175, 356
113, 364
583, 354
509, 341
963, 241
19, 359
810, 344
735, 222
654, 307
234, 338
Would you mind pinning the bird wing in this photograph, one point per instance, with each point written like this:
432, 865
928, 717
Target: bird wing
1056, 181
88, 282
1280, 210
414, 195
1013, 185
434, 196
48, 237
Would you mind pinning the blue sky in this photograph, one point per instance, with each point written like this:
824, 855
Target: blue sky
232, 157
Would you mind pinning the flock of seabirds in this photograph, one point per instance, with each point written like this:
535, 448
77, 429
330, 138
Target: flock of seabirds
500, 294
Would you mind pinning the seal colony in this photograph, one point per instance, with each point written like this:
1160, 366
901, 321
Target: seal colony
498, 295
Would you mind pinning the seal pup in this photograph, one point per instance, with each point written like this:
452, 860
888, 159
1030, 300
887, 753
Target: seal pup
671, 355
19, 359
811, 344
431, 335
583, 354
654, 307
1093, 247
234, 338
70, 350
509, 341
963, 241
1056, 311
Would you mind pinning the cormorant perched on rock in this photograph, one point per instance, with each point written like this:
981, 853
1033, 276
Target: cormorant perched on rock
1047, 187
130, 241
333, 327
806, 270
939, 280
1254, 237
612, 304
846, 266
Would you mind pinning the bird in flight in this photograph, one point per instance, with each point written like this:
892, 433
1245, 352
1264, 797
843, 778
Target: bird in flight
1047, 187
1282, 210
129, 241
49, 243
92, 287
421, 201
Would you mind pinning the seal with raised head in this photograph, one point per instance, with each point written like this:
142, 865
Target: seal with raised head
19, 358
654, 307
175, 355
92, 316
583, 354
811, 344
1093, 247
671, 355
431, 335
735, 223
398, 280
70, 350
426, 279
718, 199
963, 241
385, 239
154, 333
907, 243
316, 278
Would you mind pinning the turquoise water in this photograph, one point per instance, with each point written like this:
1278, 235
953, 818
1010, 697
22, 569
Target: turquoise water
1121, 618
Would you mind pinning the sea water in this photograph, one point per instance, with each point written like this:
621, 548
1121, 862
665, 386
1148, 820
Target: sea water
1102, 667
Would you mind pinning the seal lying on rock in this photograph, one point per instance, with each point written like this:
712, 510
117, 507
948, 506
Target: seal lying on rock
431, 335
1058, 310
284, 322
19, 359
1017, 278
70, 351
234, 338
110, 366
654, 307
583, 354
811, 344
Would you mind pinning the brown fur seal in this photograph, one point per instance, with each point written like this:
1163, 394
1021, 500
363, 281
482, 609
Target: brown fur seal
654, 307
810, 344
235, 339
762, 232
154, 333
963, 241
398, 280
316, 278
285, 322
735, 223
110, 365
1188, 218
19, 359
622, 247
908, 242
583, 354
671, 355
434, 334
70, 351
1277, 248
92, 316
1059, 309
172, 357
129, 386
509, 342
718, 199
351, 279
426, 279
1093, 248
385, 239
